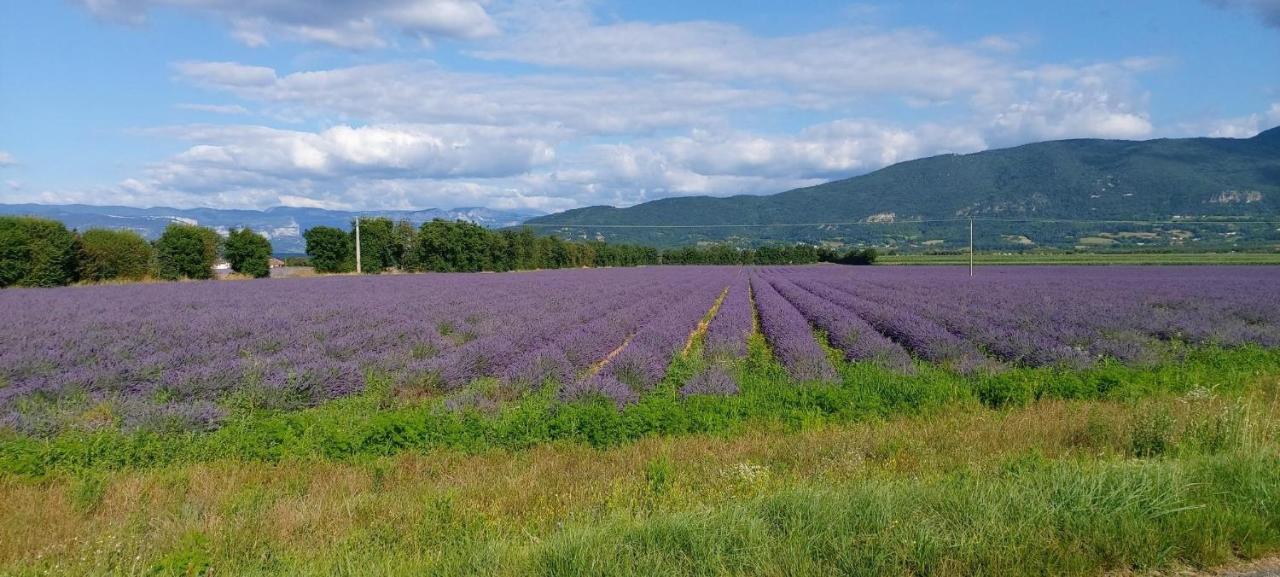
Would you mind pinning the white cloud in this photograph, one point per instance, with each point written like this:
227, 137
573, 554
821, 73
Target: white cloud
228, 109
340, 23
862, 60
1099, 101
226, 75
7, 159
425, 92
1237, 127
423, 151
829, 150
618, 112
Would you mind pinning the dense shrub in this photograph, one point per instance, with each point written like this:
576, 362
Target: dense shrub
36, 252
248, 252
107, 254
186, 251
330, 249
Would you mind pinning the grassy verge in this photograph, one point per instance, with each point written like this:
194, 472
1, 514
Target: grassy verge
375, 423
1054, 487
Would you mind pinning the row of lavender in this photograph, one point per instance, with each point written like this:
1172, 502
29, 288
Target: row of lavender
174, 354
1067, 316
145, 354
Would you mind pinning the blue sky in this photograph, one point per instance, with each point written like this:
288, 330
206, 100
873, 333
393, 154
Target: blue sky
554, 104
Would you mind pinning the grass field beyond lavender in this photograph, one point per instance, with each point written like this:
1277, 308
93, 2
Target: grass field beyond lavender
185, 356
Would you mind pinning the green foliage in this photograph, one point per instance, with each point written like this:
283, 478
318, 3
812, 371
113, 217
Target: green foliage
107, 254
404, 246
460, 246
378, 245
87, 490
248, 252
659, 474
865, 256
330, 249
456, 247
36, 252
186, 251
189, 559
1152, 435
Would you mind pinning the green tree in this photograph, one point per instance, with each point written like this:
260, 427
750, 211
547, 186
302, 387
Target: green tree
36, 252
186, 251
377, 244
458, 246
107, 254
248, 252
331, 249
405, 246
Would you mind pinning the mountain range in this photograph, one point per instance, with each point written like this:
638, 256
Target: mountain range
1081, 179
282, 225
1047, 194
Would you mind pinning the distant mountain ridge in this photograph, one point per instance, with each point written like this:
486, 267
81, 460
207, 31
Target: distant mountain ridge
1065, 179
283, 225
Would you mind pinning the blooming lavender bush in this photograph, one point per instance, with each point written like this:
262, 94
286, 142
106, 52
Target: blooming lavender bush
185, 355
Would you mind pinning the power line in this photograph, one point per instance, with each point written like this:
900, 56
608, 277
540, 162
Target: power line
898, 222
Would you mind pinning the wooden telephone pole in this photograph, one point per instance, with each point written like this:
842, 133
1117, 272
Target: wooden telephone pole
358, 245
970, 247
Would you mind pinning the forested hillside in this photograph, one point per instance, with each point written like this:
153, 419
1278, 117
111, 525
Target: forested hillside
1085, 179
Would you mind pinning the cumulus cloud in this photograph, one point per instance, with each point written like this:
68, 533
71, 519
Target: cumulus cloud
424, 151
340, 23
828, 150
1266, 10
596, 112
1100, 101
1235, 127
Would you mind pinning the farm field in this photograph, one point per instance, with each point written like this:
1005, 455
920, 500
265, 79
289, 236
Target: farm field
673, 420
1089, 258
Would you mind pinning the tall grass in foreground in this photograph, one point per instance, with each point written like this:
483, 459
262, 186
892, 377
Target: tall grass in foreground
1058, 487
1040, 519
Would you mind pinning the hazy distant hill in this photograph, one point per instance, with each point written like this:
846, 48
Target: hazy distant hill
1068, 179
283, 225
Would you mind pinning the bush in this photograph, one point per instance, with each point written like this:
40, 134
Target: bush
186, 251
107, 254
330, 249
36, 252
864, 256
248, 252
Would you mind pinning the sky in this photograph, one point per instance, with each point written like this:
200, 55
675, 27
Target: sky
546, 105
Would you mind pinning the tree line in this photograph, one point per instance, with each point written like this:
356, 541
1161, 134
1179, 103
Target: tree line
40, 252
460, 246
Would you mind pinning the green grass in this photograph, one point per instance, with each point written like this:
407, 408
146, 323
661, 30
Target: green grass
375, 423
1037, 518
1088, 258
1056, 487
1028, 471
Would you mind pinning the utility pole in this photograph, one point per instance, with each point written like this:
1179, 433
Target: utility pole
970, 247
358, 245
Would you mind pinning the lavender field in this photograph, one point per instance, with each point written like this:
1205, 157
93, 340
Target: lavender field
165, 356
